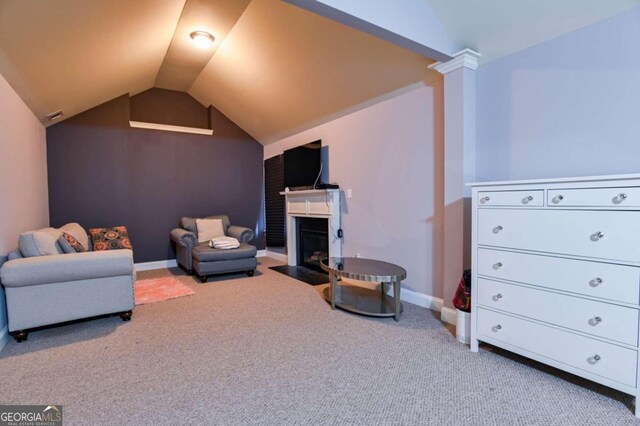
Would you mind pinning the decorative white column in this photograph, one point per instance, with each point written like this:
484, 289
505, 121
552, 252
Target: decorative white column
459, 166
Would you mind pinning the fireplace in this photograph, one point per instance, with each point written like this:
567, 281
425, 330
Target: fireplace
322, 207
312, 241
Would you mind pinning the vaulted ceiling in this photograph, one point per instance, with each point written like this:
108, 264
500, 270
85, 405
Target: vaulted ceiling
274, 68
497, 28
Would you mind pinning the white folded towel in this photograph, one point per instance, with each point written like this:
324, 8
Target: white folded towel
224, 243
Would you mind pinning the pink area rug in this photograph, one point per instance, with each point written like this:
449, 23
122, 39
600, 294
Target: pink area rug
159, 289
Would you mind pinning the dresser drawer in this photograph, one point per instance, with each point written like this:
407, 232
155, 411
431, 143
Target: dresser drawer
600, 319
594, 197
595, 234
529, 198
606, 360
603, 280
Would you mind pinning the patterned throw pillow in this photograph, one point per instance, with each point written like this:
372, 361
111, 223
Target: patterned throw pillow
110, 238
69, 244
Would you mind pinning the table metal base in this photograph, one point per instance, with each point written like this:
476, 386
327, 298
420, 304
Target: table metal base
362, 301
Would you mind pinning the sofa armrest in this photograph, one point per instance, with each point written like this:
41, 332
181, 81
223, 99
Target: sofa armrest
242, 234
66, 267
184, 238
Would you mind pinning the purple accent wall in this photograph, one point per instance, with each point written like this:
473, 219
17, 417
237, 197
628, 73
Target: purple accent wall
104, 173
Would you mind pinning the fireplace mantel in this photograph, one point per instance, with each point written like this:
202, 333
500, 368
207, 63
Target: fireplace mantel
318, 203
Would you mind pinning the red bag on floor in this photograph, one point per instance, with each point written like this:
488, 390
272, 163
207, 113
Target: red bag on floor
462, 299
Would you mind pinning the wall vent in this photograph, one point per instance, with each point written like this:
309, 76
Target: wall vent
55, 115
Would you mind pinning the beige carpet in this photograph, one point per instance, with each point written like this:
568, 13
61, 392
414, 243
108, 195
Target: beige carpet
268, 350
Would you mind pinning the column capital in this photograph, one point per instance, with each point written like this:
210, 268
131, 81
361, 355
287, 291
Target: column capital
466, 58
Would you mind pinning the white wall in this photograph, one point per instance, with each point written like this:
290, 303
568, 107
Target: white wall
566, 107
391, 156
24, 203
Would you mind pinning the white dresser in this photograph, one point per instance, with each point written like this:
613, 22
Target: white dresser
556, 274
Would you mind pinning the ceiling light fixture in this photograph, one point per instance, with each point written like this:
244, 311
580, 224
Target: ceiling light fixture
202, 39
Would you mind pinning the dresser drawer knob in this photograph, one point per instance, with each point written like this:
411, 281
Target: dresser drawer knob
619, 198
484, 200
595, 282
497, 297
597, 236
497, 229
527, 200
557, 199
497, 265
595, 321
594, 359
496, 328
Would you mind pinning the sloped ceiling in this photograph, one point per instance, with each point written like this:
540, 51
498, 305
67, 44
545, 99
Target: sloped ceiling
275, 68
182, 64
282, 67
76, 54
496, 28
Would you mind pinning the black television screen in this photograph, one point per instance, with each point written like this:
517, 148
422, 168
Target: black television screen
302, 165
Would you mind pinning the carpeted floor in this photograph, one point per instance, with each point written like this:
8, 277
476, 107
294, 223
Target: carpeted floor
268, 350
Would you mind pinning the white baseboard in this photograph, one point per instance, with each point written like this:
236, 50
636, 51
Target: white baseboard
420, 299
160, 264
424, 300
448, 315
4, 337
277, 256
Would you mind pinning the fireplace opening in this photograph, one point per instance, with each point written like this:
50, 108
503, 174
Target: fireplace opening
313, 242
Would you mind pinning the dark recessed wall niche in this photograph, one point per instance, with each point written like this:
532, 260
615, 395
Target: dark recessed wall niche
164, 106
104, 173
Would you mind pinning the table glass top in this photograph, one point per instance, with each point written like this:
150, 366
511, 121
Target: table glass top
363, 269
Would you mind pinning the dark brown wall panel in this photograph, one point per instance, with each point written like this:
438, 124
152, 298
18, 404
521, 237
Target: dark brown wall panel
168, 107
104, 173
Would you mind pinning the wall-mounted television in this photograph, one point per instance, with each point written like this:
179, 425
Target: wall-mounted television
302, 165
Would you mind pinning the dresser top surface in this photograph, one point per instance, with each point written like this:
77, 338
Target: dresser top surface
309, 192
559, 180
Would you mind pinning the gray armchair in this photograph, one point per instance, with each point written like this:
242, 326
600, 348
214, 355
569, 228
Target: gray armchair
206, 261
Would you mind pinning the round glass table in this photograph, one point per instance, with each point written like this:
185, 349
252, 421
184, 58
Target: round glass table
361, 300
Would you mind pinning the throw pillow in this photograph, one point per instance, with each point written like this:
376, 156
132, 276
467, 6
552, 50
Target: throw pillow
42, 242
77, 232
114, 238
69, 244
208, 229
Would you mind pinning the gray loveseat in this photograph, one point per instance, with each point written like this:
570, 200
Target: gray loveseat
204, 260
53, 288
